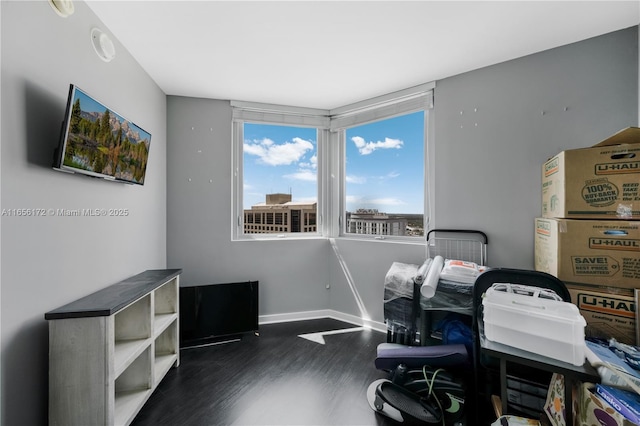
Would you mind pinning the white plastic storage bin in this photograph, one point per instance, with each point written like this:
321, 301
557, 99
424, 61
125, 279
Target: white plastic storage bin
531, 319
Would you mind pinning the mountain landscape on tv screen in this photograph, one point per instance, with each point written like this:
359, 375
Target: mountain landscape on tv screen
105, 143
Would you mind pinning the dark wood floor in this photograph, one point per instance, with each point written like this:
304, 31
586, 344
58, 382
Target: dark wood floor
277, 378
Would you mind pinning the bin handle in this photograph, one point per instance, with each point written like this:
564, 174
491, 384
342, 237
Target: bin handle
536, 292
529, 305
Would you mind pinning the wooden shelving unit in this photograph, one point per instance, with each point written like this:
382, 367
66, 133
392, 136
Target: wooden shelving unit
109, 350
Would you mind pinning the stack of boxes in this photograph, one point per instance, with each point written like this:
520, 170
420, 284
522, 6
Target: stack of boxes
589, 232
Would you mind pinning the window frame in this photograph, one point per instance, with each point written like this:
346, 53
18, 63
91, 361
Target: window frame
412, 100
269, 114
331, 128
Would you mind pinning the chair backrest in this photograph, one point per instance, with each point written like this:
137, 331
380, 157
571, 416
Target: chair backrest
512, 276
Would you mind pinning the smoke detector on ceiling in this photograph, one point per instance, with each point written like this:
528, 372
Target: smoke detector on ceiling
63, 8
103, 45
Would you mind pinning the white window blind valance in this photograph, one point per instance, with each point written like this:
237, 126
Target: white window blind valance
397, 103
386, 106
278, 114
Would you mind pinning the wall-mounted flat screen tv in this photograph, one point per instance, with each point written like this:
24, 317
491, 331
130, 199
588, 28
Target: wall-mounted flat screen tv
97, 141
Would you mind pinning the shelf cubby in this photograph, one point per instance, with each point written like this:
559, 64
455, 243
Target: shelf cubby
166, 298
166, 352
133, 387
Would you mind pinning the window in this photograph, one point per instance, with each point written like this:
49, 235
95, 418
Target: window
276, 182
280, 176
384, 151
384, 177
357, 170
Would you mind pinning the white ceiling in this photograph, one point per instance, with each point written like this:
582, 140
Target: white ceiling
326, 54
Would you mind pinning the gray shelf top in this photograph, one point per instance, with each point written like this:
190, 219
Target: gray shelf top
111, 299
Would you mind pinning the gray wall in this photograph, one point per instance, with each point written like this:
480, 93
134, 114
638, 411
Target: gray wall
488, 175
368, 263
50, 261
292, 274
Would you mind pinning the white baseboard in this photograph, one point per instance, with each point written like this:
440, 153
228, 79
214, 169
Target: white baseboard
324, 313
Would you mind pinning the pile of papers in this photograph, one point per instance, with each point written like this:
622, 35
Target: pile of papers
620, 382
461, 271
613, 370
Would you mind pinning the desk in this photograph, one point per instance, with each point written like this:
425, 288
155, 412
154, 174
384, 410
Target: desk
571, 373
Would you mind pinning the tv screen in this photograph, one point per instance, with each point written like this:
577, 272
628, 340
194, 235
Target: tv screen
99, 142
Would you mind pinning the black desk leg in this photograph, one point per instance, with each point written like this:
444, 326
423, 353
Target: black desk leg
568, 393
568, 400
503, 385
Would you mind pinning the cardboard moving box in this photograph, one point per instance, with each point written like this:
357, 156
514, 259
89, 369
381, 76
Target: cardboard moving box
596, 252
601, 182
608, 315
594, 410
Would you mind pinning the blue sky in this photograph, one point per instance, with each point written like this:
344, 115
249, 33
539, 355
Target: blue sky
89, 104
384, 164
279, 159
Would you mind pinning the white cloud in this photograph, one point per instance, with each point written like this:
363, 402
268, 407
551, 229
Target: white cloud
356, 179
307, 171
353, 199
359, 141
306, 175
268, 152
255, 149
382, 204
366, 148
312, 164
386, 202
363, 179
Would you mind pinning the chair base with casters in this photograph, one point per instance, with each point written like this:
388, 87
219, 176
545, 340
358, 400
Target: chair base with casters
402, 405
419, 390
